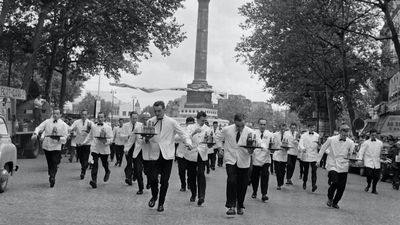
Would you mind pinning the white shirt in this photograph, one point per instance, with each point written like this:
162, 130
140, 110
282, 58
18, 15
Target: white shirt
337, 153
164, 141
279, 155
97, 146
49, 127
292, 141
131, 138
262, 156
308, 145
370, 151
199, 148
233, 153
80, 130
118, 139
182, 149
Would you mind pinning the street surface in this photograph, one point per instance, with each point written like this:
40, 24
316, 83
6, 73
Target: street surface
29, 200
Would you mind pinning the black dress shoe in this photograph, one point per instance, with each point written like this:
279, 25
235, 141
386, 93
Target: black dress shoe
304, 186
335, 206
231, 211
152, 202
374, 192
314, 188
278, 188
289, 182
140, 192
254, 195
182, 189
366, 189
240, 211
128, 182
193, 198
200, 201
148, 186
82, 176
160, 208
264, 198
52, 181
107, 176
329, 203
93, 184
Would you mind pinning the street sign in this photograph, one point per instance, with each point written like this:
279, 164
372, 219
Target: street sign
9, 92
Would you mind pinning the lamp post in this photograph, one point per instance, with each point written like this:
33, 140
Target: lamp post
113, 92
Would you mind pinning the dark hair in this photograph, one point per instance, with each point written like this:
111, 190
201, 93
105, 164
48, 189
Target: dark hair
133, 112
239, 117
56, 108
201, 114
101, 113
121, 119
310, 125
373, 130
215, 122
262, 119
293, 124
83, 110
189, 119
159, 103
282, 125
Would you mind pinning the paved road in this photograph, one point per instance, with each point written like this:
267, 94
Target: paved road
29, 200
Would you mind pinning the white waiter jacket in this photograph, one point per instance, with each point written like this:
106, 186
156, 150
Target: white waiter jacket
198, 147
370, 151
292, 141
279, 155
308, 145
97, 146
262, 155
118, 137
182, 149
164, 141
47, 127
337, 153
233, 153
128, 133
80, 130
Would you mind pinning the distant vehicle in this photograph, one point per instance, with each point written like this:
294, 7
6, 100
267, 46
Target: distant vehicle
8, 155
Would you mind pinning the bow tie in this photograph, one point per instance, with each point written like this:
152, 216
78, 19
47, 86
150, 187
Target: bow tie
55, 121
342, 139
99, 124
373, 139
311, 133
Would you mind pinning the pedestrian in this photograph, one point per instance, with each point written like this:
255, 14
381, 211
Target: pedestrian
197, 158
79, 132
145, 117
308, 145
54, 134
292, 138
212, 154
159, 152
338, 149
370, 152
237, 160
137, 155
100, 137
261, 161
128, 134
180, 153
280, 156
119, 142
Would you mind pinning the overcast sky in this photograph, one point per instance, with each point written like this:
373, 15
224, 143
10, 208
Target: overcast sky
176, 70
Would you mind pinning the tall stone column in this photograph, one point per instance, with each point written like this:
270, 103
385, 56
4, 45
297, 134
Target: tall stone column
202, 97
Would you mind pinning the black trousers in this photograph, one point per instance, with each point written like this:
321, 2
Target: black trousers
236, 185
306, 166
129, 164
396, 174
196, 177
220, 160
301, 166
212, 157
138, 168
338, 184
323, 160
272, 163
112, 152
280, 169
260, 172
162, 167
53, 159
182, 168
83, 152
373, 176
291, 164
119, 153
104, 162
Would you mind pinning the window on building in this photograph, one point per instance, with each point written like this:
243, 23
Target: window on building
123, 113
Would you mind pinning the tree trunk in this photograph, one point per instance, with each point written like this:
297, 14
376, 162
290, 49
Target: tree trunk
28, 73
329, 108
4, 11
392, 28
50, 71
64, 76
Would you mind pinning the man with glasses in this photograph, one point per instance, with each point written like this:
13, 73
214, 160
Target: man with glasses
100, 136
159, 152
54, 134
79, 131
338, 149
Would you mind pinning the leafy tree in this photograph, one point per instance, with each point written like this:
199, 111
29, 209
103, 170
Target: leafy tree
88, 103
227, 108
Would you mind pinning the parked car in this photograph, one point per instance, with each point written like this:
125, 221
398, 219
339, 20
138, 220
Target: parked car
8, 155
